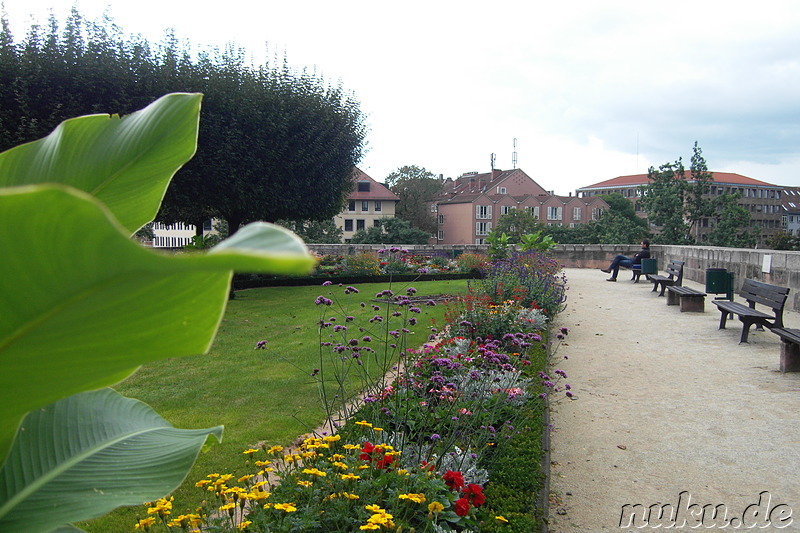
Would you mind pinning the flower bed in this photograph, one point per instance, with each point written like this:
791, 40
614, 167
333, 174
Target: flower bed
445, 437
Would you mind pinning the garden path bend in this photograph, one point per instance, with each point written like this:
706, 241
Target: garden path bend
669, 410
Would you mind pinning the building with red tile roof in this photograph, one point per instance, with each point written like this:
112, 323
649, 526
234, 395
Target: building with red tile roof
468, 207
761, 199
369, 202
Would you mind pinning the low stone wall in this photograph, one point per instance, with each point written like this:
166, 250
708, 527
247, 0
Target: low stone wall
770, 266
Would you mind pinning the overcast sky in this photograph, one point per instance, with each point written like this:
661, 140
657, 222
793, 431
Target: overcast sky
590, 90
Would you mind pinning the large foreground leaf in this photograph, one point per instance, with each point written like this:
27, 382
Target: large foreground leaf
82, 306
88, 454
126, 162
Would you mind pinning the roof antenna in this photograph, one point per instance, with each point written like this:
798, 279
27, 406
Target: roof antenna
514, 155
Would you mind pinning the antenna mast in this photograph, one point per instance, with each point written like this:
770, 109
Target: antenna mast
492, 158
514, 155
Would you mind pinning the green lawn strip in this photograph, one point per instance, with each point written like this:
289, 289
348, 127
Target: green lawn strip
259, 395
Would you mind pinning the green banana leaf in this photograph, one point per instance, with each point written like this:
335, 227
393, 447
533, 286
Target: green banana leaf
126, 163
82, 305
88, 454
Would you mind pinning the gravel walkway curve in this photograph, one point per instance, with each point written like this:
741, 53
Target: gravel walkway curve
669, 410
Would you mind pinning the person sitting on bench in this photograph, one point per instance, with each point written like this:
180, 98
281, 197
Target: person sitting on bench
627, 262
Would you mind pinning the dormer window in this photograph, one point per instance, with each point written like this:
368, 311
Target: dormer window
363, 186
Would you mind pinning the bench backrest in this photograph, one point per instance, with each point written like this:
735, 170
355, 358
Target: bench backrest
675, 271
772, 296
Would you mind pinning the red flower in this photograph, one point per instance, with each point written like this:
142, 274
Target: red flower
462, 507
454, 480
366, 451
475, 494
385, 461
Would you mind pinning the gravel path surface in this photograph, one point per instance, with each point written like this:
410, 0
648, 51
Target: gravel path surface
670, 410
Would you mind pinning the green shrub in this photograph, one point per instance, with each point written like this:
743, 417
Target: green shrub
363, 264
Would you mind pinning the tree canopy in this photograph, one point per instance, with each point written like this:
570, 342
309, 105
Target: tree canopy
273, 143
391, 231
415, 186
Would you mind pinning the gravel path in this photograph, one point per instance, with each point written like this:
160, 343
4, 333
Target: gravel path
669, 410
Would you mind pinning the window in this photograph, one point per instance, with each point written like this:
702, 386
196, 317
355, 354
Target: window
434, 208
364, 205
359, 224
363, 186
376, 223
378, 205
535, 212
440, 235
483, 211
504, 210
348, 224
483, 228
576, 213
440, 219
479, 241
351, 205
501, 190
553, 213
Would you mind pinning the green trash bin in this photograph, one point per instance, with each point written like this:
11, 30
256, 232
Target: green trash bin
650, 266
719, 281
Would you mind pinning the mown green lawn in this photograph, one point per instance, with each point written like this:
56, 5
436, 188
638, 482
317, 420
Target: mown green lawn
258, 395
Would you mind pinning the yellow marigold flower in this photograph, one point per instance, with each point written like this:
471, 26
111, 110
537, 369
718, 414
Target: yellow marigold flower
250, 451
234, 490
337, 457
286, 507
340, 465
275, 449
262, 463
259, 484
213, 476
403, 472
370, 526
350, 496
145, 523
414, 497
363, 467
377, 429
258, 495
435, 507
227, 506
331, 438
349, 476
303, 483
314, 472
364, 423
351, 447
202, 483
308, 455
243, 525
374, 508
246, 478
501, 518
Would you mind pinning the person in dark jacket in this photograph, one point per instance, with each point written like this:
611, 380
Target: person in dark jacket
627, 262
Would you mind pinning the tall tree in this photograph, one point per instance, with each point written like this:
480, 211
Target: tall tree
663, 201
699, 205
274, 142
415, 186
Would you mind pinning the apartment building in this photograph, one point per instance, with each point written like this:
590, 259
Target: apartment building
468, 207
763, 200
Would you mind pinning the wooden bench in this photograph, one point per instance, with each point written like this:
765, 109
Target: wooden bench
755, 292
689, 299
790, 349
674, 277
